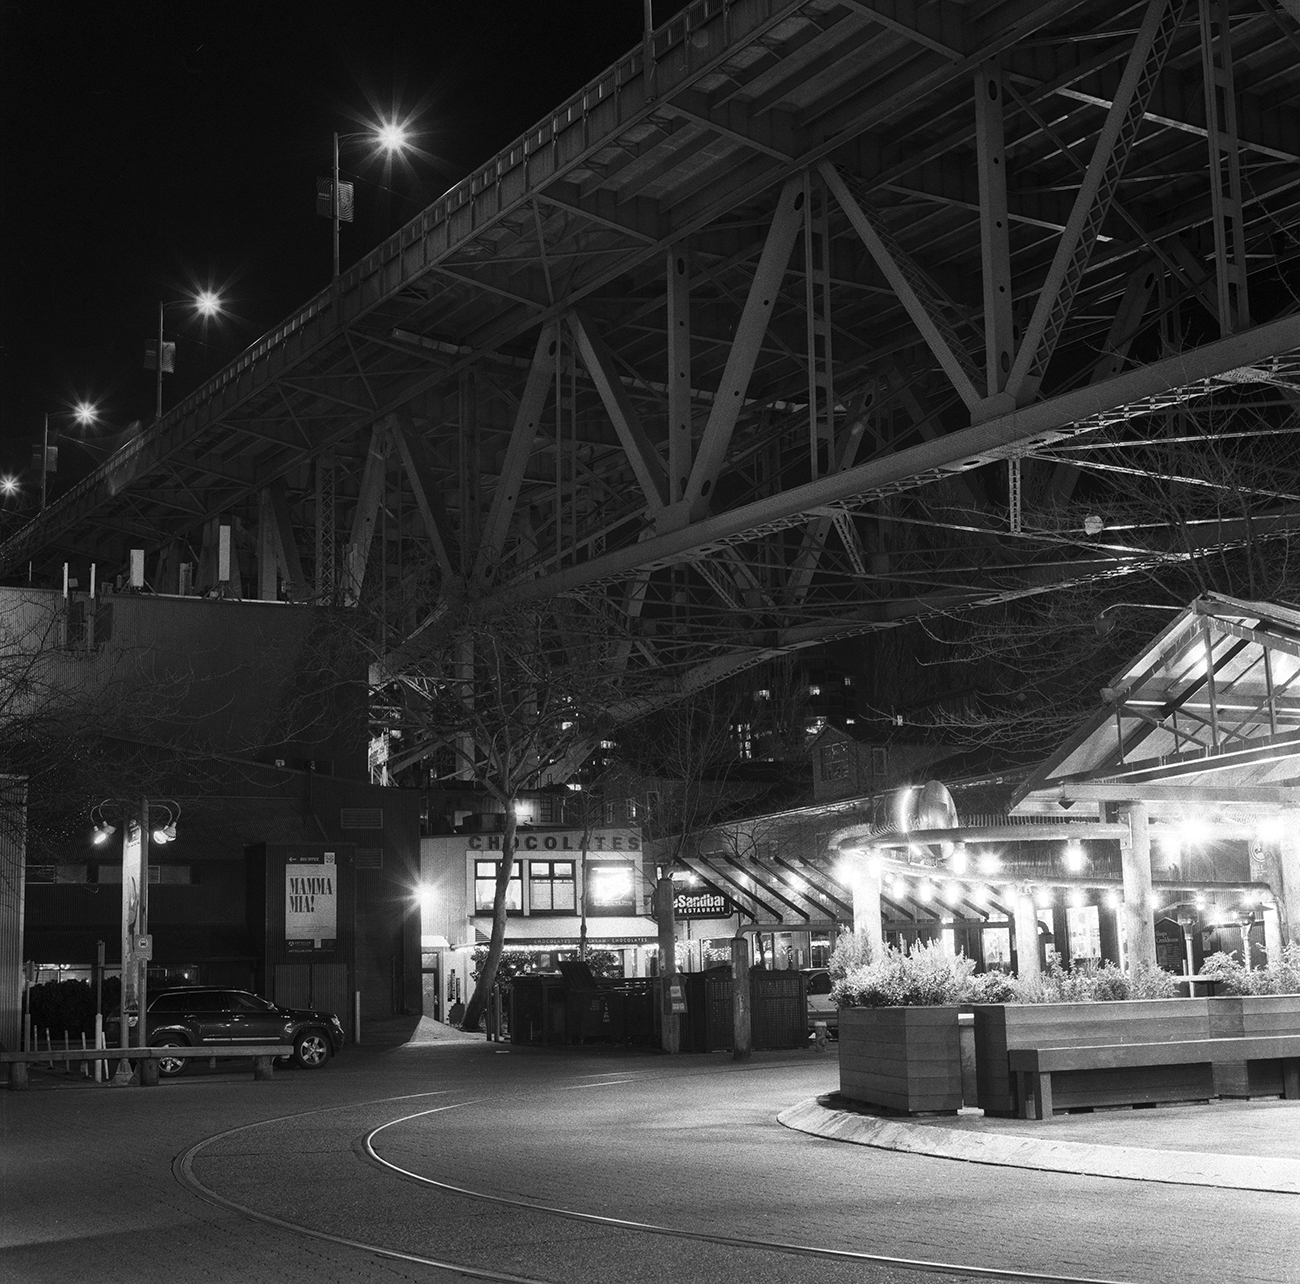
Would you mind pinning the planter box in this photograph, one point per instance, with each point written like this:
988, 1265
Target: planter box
1252, 1014
903, 1059
1002, 1027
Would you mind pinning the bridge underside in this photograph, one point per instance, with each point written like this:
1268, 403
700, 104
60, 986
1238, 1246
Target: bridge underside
832, 316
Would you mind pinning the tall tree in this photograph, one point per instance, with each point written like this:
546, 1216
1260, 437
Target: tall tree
513, 699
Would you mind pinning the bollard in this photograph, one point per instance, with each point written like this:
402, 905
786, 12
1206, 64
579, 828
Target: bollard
819, 1036
101, 1067
148, 1072
49, 1048
67, 1047
17, 1076
263, 1068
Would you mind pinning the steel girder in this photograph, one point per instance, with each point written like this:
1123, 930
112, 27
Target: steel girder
592, 359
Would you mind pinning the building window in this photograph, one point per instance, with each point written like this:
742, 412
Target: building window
814, 689
1083, 922
611, 887
485, 884
551, 887
743, 734
835, 761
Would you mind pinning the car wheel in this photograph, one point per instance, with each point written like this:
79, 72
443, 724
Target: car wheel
171, 1066
311, 1049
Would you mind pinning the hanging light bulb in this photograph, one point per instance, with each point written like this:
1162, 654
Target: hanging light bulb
1074, 857
101, 833
960, 862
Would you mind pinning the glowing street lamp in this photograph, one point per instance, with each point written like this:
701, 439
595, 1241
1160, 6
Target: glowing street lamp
163, 358
83, 413
336, 204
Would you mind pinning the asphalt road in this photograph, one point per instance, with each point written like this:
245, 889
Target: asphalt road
564, 1165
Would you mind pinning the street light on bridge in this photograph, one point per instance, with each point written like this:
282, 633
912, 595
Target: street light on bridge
163, 358
83, 413
334, 199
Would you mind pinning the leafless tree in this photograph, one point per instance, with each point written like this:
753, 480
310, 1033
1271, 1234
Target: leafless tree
515, 698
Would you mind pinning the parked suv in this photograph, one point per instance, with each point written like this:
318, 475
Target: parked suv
821, 1007
204, 1017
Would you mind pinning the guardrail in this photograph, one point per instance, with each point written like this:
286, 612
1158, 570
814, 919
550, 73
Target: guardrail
263, 1055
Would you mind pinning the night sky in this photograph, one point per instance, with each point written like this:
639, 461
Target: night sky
154, 150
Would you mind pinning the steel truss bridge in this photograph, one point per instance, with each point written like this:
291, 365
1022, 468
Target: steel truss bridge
782, 330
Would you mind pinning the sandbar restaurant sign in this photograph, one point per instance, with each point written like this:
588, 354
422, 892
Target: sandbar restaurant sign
311, 899
702, 905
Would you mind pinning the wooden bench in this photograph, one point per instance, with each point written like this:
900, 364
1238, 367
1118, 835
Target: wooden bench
263, 1055
1034, 1067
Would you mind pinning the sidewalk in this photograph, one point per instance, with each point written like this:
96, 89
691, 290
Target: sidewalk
1235, 1145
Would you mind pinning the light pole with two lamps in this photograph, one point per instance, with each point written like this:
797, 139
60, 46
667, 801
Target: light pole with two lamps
137, 944
163, 358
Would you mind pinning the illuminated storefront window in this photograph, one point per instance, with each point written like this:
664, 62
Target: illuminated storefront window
485, 880
551, 887
611, 887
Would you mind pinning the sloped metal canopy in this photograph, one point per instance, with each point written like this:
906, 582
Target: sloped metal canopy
1207, 714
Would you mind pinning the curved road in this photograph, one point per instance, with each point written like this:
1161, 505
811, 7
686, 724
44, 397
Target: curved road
469, 1160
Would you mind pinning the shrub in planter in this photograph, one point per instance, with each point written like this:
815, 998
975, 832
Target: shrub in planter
1092, 983
1280, 976
925, 976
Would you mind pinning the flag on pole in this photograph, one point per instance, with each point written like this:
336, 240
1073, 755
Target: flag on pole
169, 357
324, 189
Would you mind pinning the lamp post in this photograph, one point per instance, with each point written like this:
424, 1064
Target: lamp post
137, 945
206, 304
388, 136
83, 413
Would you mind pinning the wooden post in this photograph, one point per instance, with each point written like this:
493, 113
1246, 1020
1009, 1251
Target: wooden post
1028, 964
1139, 905
670, 1025
742, 1032
867, 918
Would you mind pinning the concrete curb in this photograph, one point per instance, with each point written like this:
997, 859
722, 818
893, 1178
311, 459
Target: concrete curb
1129, 1163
